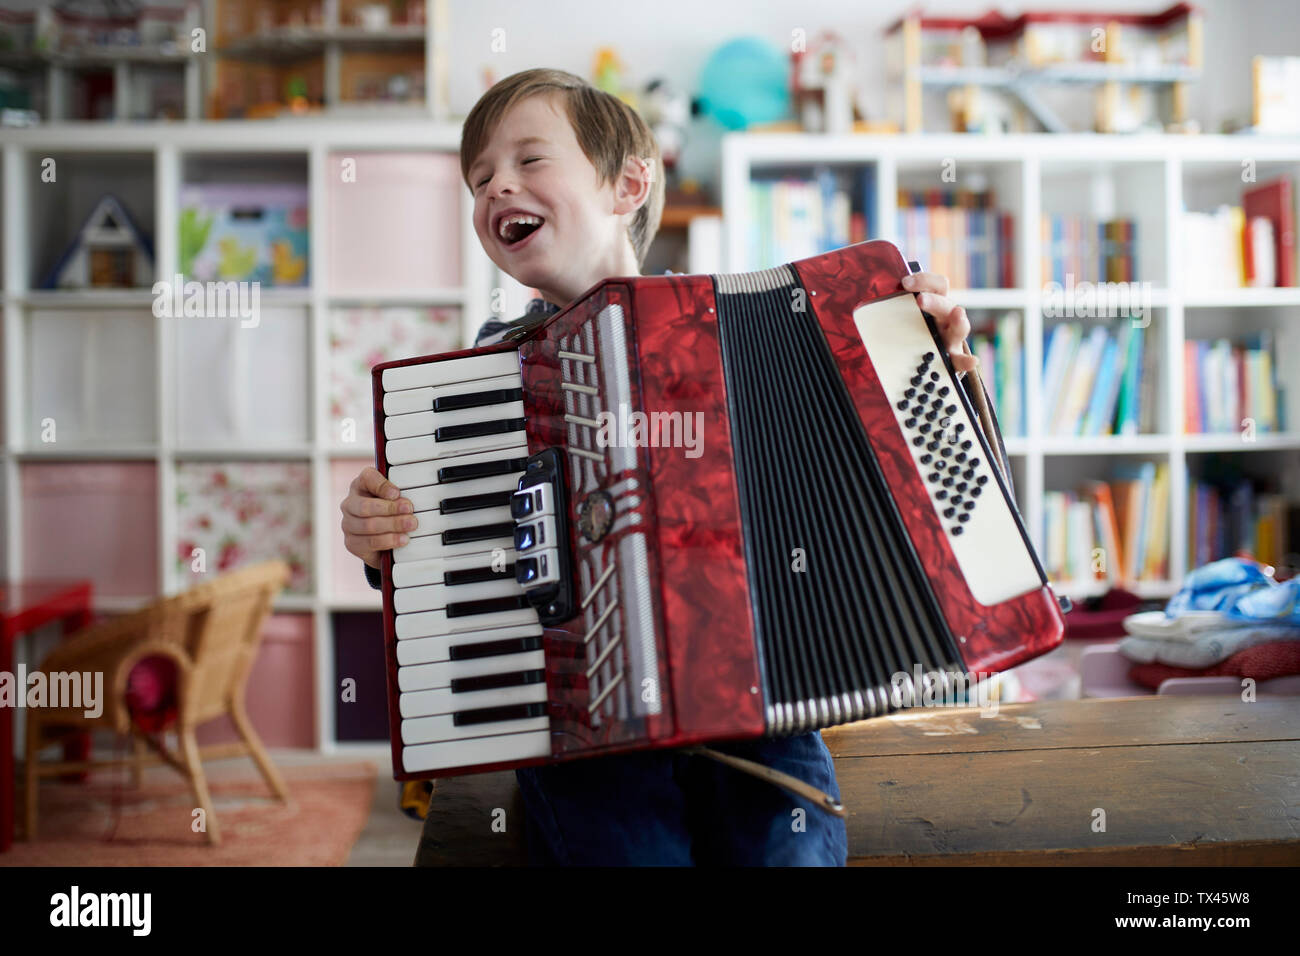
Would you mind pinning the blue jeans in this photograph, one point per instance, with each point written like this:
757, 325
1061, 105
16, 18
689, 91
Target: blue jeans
667, 808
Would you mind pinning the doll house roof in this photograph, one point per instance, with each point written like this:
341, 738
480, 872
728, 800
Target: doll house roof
109, 224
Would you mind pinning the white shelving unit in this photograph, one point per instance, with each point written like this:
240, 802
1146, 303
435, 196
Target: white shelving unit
1148, 178
163, 151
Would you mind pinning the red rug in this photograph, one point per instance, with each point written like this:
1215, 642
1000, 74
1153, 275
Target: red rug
105, 822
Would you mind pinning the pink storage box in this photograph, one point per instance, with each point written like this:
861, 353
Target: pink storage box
397, 226
97, 520
280, 695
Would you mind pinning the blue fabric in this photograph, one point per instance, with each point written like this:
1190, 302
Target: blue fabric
668, 808
1241, 589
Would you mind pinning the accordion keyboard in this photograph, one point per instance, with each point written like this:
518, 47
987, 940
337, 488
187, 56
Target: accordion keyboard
471, 671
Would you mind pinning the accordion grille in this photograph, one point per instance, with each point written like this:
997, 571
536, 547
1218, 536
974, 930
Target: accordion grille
843, 612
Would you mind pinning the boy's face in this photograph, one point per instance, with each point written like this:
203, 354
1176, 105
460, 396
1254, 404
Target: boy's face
540, 210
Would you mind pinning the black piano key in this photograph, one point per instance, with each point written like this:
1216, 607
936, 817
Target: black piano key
464, 685
478, 575
483, 532
478, 429
492, 715
484, 469
514, 645
490, 606
495, 499
496, 396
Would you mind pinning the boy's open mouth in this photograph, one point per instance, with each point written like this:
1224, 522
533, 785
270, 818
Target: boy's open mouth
515, 227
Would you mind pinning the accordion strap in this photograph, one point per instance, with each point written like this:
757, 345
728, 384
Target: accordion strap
988, 420
820, 798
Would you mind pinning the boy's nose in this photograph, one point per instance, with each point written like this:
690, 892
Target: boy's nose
501, 186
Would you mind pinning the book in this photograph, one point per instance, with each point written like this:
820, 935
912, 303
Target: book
1275, 201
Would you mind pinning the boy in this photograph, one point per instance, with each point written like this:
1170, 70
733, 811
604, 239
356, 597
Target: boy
567, 191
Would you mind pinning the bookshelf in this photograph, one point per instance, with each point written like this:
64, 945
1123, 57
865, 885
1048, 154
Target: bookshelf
1150, 180
155, 406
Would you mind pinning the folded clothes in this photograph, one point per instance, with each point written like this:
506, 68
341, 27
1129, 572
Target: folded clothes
1260, 663
1205, 648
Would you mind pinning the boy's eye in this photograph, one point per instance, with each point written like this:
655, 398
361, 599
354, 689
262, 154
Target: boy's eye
481, 183
531, 159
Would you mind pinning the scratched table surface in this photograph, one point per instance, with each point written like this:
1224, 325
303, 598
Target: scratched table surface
1120, 781
1117, 781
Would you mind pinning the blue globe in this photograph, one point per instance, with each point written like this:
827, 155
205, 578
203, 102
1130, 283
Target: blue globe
745, 81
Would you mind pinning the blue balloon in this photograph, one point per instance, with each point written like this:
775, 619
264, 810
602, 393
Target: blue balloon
746, 81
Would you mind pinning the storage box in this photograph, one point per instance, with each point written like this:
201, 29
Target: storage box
240, 513
96, 520
245, 386
93, 376
394, 221
359, 656
361, 338
280, 695
248, 232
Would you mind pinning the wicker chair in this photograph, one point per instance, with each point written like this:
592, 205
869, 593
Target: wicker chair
211, 633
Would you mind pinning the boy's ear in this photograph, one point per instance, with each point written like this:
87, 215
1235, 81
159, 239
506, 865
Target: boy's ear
632, 187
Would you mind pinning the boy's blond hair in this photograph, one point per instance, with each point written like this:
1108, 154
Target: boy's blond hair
607, 129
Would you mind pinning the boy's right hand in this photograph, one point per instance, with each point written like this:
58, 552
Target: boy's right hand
375, 516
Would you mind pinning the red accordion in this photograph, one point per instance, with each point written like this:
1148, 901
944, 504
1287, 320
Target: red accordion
689, 509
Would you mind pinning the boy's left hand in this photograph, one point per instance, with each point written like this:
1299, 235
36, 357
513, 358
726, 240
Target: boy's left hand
948, 316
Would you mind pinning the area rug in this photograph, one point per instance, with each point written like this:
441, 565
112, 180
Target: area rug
105, 822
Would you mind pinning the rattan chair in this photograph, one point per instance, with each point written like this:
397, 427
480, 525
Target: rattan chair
211, 633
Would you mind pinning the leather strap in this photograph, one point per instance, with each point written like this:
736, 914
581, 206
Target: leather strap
819, 798
987, 419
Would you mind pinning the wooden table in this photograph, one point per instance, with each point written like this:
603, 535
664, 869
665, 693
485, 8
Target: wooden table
1182, 780
1200, 781
25, 606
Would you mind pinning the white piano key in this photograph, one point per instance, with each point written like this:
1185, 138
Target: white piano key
402, 451
441, 674
431, 546
430, 623
431, 571
421, 399
441, 700
424, 423
416, 474
434, 374
432, 596
434, 522
427, 650
429, 497
421, 730
476, 751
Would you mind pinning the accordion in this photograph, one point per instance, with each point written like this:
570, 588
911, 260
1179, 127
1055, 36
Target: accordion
692, 509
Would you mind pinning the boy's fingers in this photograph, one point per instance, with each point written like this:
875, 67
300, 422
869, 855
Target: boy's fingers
381, 524
364, 506
376, 484
926, 282
383, 542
